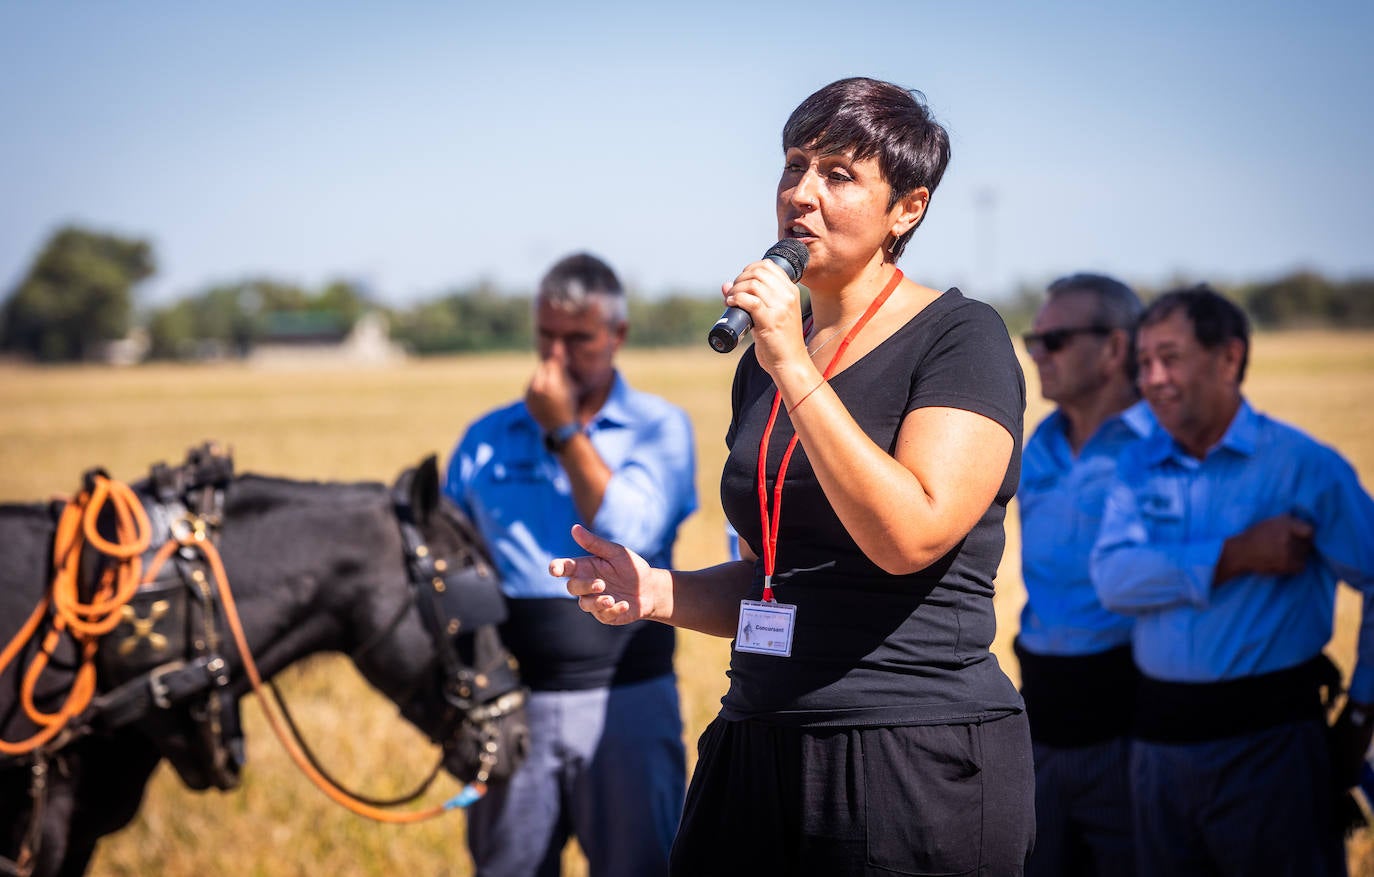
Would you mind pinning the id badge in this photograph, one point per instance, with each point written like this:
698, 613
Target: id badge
765, 628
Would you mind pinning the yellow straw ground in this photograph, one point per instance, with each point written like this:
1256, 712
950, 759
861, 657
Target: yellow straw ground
351, 424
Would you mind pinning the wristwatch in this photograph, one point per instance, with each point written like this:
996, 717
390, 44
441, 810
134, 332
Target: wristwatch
1360, 715
556, 440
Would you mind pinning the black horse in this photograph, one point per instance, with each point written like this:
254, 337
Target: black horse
394, 577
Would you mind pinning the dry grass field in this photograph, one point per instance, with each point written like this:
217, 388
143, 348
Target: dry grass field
368, 425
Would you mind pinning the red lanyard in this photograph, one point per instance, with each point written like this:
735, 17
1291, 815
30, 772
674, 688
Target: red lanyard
770, 533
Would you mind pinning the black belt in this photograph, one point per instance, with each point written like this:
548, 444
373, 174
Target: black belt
1193, 712
1078, 700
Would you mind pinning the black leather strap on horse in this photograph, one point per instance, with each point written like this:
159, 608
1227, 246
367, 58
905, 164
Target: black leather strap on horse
170, 655
462, 607
22, 864
203, 478
165, 687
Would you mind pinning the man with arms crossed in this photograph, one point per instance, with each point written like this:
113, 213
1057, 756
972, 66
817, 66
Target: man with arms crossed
607, 762
1077, 676
1225, 534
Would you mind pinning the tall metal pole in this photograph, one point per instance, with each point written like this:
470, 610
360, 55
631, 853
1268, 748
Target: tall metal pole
985, 262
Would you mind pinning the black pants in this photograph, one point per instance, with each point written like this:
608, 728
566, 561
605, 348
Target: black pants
926, 799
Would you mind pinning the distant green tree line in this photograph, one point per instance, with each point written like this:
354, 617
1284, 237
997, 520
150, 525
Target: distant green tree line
76, 296
1298, 300
79, 294
228, 319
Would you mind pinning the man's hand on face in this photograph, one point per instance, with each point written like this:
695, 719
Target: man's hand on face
551, 396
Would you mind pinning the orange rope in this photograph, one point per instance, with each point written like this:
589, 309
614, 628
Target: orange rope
87, 622
84, 622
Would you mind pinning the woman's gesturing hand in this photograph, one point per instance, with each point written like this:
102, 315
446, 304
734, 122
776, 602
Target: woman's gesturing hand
613, 584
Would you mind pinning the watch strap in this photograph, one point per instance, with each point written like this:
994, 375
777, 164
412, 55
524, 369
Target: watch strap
1360, 714
556, 440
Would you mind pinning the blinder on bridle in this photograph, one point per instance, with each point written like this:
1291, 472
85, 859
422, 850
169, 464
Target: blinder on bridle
484, 732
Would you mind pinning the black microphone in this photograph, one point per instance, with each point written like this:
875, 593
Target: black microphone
789, 255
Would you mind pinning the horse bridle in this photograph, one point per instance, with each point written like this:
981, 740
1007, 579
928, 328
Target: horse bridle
452, 602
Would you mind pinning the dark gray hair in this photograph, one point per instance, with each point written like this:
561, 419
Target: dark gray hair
581, 280
1118, 307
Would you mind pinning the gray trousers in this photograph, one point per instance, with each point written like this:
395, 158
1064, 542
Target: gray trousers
1257, 804
605, 765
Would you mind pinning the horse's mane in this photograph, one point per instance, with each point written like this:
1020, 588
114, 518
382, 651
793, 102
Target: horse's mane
266, 491
248, 489
24, 510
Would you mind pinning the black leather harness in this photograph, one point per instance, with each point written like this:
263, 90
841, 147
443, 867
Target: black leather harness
166, 653
163, 663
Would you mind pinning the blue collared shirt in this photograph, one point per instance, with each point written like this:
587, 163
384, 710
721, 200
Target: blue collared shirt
1166, 519
1061, 498
519, 496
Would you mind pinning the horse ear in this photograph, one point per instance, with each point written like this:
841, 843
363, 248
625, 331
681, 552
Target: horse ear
424, 488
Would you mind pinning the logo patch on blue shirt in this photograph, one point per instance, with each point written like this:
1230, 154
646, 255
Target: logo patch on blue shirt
524, 471
1162, 504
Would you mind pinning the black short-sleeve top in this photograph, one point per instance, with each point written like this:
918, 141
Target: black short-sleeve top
869, 647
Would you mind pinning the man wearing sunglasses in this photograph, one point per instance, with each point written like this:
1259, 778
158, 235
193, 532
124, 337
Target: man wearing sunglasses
1077, 676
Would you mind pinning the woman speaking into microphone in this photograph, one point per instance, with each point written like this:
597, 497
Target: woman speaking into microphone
875, 443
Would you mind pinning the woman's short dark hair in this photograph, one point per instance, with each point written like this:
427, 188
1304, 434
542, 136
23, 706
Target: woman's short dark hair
1215, 318
875, 119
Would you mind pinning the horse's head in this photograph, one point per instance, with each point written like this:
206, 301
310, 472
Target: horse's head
398, 579
463, 688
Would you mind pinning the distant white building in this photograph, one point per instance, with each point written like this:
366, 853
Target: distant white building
129, 350
308, 341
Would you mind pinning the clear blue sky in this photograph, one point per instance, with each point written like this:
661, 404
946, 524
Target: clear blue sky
419, 146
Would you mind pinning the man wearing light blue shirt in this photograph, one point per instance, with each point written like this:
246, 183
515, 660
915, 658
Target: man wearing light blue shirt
1225, 535
1077, 677
606, 761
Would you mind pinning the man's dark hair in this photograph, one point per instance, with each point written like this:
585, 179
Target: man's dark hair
1215, 318
1118, 307
875, 119
576, 280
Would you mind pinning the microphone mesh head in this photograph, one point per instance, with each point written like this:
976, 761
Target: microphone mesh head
794, 252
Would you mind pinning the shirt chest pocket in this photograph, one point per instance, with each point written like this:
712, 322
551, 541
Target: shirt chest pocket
1090, 498
527, 473
1035, 493
1163, 509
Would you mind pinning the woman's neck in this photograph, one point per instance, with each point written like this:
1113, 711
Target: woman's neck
833, 304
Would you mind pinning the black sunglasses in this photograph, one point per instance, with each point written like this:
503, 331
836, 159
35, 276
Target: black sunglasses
1056, 339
